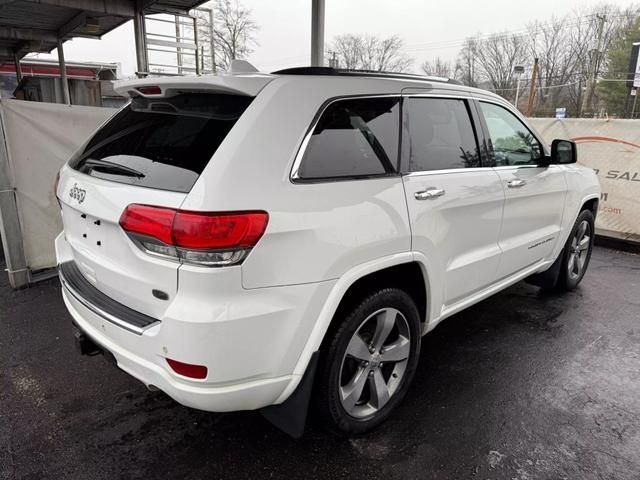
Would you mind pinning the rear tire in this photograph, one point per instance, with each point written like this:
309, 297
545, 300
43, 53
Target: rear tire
577, 252
368, 362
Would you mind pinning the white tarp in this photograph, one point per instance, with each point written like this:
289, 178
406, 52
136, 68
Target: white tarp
40, 138
612, 149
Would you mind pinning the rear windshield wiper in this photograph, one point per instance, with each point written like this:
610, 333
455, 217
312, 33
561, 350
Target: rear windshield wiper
111, 138
112, 168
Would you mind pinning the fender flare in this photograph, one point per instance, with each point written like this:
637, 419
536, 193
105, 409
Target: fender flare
331, 304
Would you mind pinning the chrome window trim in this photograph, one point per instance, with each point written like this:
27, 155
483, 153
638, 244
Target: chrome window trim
511, 167
438, 95
446, 171
294, 175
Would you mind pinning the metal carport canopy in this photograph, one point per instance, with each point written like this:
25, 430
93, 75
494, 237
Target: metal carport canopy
38, 25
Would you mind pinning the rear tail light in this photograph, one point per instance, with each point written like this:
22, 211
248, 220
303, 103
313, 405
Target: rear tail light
202, 238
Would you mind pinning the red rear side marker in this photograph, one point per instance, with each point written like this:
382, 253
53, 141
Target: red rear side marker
187, 370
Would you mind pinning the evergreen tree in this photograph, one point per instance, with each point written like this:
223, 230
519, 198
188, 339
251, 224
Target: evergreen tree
611, 90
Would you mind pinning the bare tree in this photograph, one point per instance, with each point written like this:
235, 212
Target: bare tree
438, 68
369, 52
348, 49
467, 63
233, 32
569, 50
497, 55
558, 57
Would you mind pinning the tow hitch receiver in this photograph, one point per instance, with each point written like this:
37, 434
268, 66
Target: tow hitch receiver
84, 344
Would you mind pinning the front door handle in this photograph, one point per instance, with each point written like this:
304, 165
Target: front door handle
429, 193
517, 183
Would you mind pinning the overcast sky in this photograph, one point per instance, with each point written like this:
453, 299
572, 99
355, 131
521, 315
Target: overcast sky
429, 28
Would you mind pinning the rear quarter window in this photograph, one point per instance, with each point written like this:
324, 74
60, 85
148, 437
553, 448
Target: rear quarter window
162, 143
353, 138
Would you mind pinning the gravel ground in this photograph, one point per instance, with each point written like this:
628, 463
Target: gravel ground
524, 385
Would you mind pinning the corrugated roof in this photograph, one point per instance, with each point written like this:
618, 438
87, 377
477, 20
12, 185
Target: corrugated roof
35, 25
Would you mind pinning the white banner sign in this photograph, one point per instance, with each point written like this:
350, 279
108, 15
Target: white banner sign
612, 149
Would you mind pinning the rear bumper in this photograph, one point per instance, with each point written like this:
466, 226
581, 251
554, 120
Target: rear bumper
243, 396
250, 340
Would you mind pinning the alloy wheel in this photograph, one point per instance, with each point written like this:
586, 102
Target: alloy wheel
374, 362
579, 250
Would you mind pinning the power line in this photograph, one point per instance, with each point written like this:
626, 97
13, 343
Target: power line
538, 29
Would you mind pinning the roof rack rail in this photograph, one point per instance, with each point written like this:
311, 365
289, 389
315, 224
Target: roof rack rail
360, 73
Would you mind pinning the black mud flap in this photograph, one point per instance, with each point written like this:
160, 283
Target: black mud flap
291, 415
548, 278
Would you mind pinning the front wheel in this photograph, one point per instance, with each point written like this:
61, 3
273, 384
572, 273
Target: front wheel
369, 362
577, 252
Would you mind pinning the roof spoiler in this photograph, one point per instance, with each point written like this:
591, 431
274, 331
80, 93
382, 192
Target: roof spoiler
241, 80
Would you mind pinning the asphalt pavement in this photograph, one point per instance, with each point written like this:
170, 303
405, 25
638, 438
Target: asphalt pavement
525, 385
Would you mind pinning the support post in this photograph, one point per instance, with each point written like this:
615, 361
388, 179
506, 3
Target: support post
63, 74
213, 43
317, 33
139, 32
195, 40
532, 87
16, 60
10, 230
178, 39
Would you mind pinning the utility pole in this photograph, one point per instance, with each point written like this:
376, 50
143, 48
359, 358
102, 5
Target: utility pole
518, 70
595, 61
532, 87
333, 61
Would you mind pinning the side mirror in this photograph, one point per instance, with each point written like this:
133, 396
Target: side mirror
563, 152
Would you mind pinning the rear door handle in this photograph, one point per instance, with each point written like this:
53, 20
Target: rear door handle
517, 183
429, 193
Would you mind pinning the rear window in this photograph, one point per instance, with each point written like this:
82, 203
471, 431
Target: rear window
353, 138
162, 143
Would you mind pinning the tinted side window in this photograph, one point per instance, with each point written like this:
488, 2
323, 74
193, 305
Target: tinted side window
512, 143
356, 137
440, 135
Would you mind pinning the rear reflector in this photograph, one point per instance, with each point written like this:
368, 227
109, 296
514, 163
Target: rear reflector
214, 239
152, 90
187, 370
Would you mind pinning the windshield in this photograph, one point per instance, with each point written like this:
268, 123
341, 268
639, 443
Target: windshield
161, 143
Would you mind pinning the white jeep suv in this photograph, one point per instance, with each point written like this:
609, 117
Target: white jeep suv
260, 241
